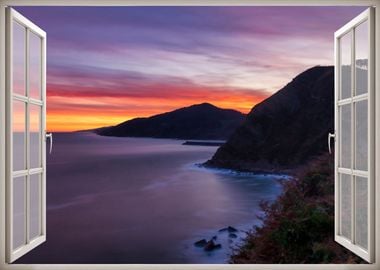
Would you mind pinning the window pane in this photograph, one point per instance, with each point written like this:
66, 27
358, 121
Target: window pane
18, 212
35, 139
361, 144
18, 59
35, 206
361, 213
35, 66
345, 136
345, 61
361, 55
345, 193
19, 135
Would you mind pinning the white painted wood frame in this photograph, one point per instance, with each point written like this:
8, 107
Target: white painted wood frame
376, 169
13, 253
367, 17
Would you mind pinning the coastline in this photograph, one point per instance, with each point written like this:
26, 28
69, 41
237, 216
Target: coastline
281, 174
203, 143
230, 239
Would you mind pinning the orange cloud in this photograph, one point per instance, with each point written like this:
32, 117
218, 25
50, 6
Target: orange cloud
69, 111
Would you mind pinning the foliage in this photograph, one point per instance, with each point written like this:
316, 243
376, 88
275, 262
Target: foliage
299, 226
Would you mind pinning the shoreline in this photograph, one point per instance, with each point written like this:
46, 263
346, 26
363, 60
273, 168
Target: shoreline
277, 174
203, 143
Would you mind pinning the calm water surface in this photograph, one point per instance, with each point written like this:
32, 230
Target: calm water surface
140, 200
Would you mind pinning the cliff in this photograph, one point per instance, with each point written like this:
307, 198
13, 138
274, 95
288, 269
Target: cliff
286, 130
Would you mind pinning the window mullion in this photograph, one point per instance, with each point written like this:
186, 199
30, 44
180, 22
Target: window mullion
27, 131
353, 139
339, 128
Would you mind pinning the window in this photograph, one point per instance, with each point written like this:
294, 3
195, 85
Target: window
26, 166
25, 136
354, 122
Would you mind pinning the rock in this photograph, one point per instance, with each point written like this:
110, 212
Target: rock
218, 246
210, 246
214, 237
232, 235
200, 243
229, 229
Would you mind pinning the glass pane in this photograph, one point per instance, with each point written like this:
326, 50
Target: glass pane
35, 206
345, 61
35, 66
345, 136
345, 193
361, 213
361, 138
35, 139
19, 136
18, 59
361, 55
19, 212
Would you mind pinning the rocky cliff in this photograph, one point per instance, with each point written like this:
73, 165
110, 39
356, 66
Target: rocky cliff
287, 129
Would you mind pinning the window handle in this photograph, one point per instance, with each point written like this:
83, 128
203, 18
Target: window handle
50, 136
329, 141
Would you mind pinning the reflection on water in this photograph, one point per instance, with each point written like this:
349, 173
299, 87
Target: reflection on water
139, 200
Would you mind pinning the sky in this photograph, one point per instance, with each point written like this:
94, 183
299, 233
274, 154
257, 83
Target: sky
106, 65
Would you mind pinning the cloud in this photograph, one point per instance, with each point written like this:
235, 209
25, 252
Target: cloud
108, 97
129, 88
106, 64
183, 28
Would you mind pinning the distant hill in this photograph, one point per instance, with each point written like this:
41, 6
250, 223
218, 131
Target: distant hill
287, 129
199, 122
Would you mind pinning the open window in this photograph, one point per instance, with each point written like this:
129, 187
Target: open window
354, 131
26, 110
354, 136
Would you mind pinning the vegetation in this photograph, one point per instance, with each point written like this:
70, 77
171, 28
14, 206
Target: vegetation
299, 226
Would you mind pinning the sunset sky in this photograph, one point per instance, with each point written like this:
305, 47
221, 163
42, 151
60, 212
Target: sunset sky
108, 65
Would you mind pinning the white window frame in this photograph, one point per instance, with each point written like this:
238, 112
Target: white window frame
365, 16
5, 3
13, 254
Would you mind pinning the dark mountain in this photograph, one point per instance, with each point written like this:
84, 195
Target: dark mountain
202, 122
286, 130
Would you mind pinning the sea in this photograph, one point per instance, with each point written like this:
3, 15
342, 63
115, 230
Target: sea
145, 201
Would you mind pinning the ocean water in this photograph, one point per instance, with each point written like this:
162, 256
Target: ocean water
142, 200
